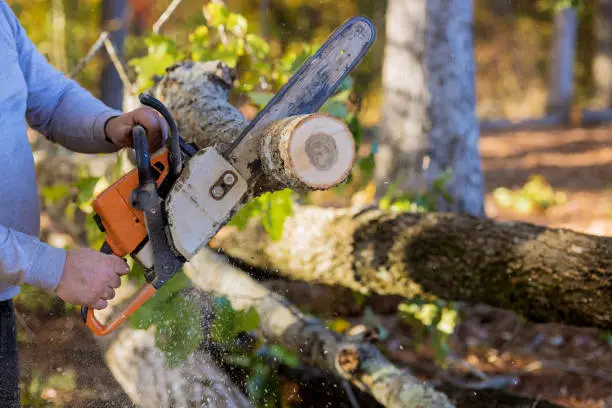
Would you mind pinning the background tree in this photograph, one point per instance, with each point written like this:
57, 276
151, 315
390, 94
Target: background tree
429, 123
602, 63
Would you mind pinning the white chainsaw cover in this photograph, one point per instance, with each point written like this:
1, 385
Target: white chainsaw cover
194, 216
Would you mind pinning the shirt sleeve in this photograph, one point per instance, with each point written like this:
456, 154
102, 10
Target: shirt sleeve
25, 259
57, 106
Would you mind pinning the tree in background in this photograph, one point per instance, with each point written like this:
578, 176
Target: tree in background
429, 124
602, 63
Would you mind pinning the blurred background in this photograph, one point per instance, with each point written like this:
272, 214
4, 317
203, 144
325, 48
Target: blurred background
559, 176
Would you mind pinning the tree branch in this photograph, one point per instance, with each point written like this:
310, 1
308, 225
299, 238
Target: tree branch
358, 362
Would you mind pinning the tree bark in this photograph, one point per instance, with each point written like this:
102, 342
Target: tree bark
602, 64
451, 79
405, 122
561, 88
545, 275
429, 120
113, 20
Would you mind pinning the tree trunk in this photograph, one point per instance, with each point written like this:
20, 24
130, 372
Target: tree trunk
602, 64
561, 88
404, 124
546, 275
451, 81
113, 20
429, 120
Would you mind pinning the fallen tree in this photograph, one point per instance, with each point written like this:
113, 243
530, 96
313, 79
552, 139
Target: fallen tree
545, 275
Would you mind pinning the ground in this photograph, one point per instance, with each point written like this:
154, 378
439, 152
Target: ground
570, 366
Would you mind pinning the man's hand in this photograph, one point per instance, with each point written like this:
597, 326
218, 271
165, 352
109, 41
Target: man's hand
119, 129
90, 277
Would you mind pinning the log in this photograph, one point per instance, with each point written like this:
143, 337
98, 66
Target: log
545, 275
143, 373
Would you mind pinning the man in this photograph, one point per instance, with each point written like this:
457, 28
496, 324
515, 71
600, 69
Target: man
32, 90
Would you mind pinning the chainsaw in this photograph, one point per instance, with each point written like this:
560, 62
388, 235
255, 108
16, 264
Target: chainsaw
170, 206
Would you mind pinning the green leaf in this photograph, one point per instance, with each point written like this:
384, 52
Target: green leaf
277, 207
153, 311
248, 211
179, 333
55, 193
222, 329
216, 14
162, 53
259, 46
199, 35
246, 320
283, 355
86, 188
229, 322
237, 24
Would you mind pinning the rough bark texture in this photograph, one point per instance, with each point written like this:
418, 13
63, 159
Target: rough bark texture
543, 274
429, 114
359, 362
196, 94
451, 80
602, 64
405, 120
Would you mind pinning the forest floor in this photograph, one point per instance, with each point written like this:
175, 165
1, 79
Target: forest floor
61, 365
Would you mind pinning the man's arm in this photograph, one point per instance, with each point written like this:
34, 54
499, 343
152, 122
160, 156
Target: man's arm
57, 106
25, 259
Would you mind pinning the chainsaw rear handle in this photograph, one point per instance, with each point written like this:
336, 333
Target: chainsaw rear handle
100, 329
145, 175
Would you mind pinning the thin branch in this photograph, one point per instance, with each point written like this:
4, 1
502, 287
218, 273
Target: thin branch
165, 15
90, 54
112, 53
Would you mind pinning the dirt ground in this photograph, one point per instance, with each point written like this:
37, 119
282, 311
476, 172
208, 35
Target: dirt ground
570, 366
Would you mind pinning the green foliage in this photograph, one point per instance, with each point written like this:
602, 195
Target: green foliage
39, 301
425, 202
229, 322
176, 316
536, 195
273, 208
262, 384
433, 319
37, 395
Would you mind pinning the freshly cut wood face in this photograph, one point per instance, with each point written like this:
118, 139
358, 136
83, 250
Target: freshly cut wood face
321, 150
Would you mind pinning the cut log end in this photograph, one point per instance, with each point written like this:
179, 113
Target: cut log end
309, 152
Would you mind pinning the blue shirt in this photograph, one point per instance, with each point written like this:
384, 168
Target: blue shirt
35, 93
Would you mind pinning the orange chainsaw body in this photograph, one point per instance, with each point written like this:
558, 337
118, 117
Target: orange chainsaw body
124, 224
